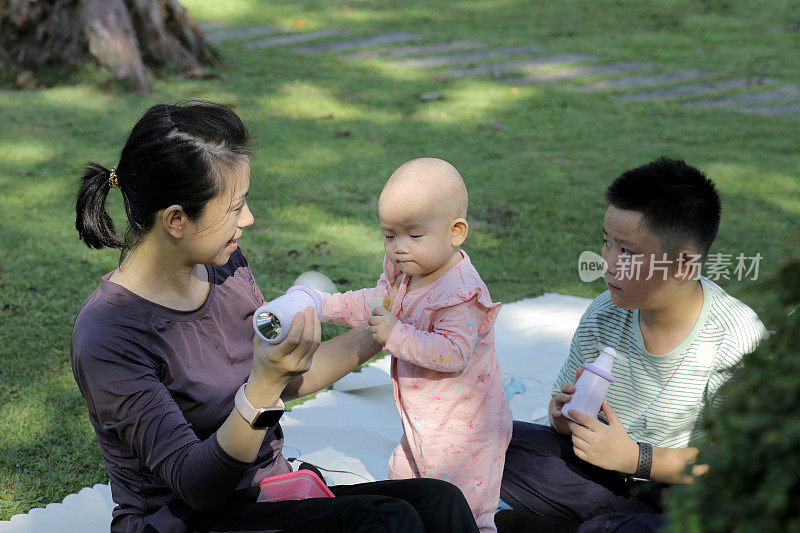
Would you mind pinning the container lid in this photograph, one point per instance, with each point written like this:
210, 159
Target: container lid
312, 293
608, 376
603, 364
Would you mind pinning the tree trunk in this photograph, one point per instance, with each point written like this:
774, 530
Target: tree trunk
112, 41
125, 36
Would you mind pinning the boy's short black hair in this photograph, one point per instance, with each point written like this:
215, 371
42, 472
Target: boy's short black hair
678, 203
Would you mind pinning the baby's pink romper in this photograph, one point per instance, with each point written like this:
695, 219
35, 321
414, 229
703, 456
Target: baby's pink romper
447, 381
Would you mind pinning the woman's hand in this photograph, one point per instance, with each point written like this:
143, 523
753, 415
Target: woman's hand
273, 366
276, 364
557, 420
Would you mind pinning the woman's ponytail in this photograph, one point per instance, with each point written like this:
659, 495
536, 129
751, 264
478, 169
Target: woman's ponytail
94, 224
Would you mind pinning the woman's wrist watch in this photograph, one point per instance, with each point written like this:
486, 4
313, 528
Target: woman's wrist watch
258, 418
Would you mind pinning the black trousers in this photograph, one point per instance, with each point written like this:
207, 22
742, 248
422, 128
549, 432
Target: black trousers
407, 506
543, 476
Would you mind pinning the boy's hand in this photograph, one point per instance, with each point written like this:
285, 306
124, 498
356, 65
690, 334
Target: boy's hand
606, 446
381, 322
557, 420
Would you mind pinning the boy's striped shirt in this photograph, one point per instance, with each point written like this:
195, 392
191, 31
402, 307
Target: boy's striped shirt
660, 399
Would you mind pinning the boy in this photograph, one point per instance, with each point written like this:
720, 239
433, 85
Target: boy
679, 334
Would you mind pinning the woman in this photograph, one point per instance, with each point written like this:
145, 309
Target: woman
165, 343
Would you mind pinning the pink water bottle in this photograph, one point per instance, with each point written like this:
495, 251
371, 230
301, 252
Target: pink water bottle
273, 320
592, 385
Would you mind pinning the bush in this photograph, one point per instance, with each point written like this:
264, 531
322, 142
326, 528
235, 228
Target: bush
753, 447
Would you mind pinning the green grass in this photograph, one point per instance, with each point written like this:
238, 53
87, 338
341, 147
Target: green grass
535, 187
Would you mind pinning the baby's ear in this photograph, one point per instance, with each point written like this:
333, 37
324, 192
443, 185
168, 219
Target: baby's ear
458, 231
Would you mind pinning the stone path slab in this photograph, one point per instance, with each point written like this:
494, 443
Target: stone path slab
682, 91
522, 65
514, 65
572, 73
364, 42
468, 57
206, 26
418, 50
241, 33
771, 111
774, 95
635, 82
294, 38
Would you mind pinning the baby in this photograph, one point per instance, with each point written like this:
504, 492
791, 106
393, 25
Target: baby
438, 326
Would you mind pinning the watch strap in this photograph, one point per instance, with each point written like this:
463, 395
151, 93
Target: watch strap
645, 461
254, 415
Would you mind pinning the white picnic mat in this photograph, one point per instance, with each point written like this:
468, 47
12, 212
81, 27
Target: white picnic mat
350, 431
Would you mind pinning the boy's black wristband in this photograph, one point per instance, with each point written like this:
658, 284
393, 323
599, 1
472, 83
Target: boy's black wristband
645, 462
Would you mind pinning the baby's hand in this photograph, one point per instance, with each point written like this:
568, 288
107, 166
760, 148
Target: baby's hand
381, 323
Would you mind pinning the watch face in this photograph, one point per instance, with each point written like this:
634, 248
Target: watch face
267, 419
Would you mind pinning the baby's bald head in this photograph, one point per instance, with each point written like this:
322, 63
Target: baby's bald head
423, 209
428, 180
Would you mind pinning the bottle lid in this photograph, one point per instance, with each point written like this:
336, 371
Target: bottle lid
603, 364
315, 296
